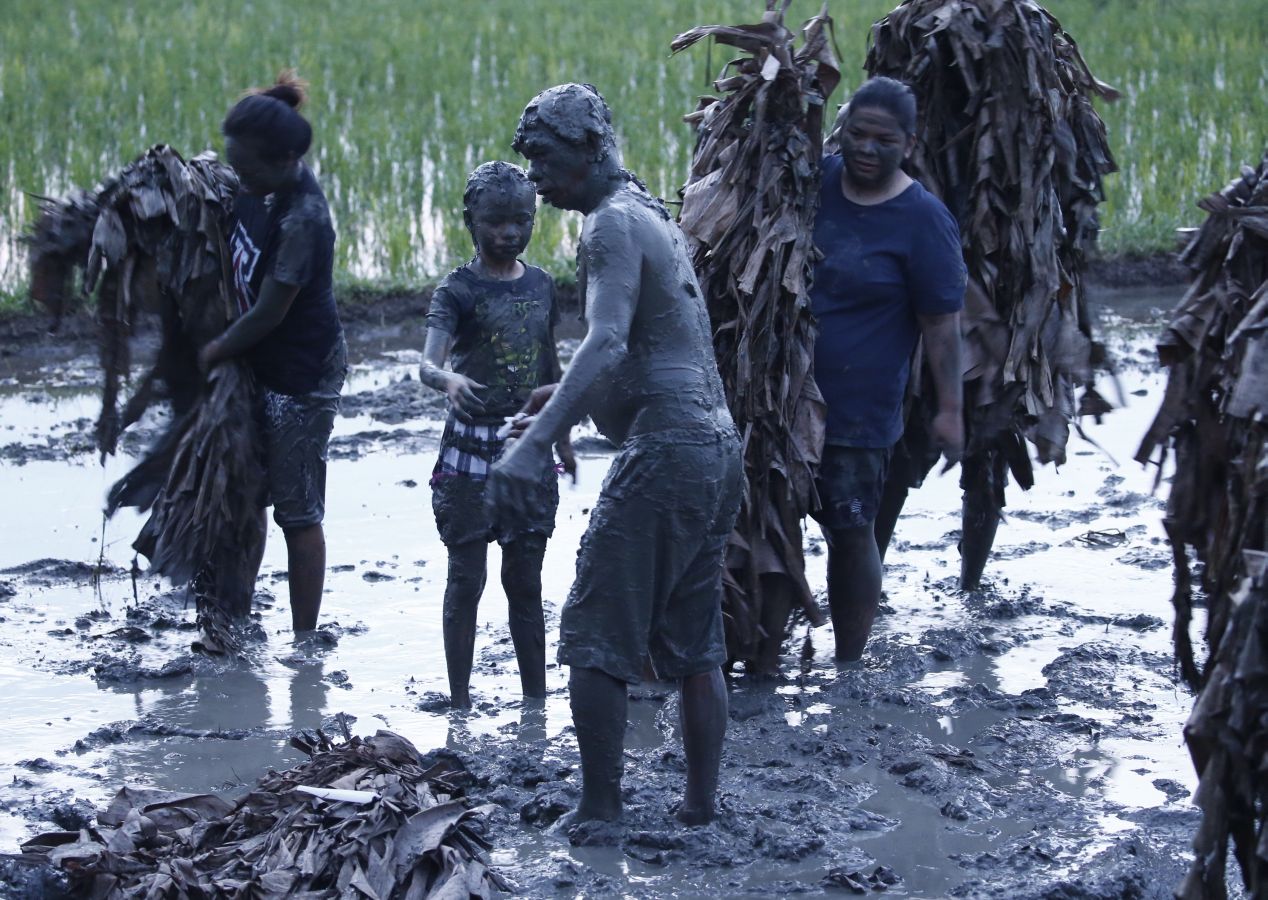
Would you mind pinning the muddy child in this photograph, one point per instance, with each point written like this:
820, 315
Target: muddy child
492, 321
649, 571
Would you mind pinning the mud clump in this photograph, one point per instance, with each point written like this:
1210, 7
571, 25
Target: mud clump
402, 401
47, 572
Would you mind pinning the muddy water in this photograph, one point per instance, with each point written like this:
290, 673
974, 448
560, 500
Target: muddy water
1005, 743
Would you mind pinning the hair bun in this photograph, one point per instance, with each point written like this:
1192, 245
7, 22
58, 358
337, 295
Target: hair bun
289, 88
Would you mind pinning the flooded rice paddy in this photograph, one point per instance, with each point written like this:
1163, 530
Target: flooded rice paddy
1019, 741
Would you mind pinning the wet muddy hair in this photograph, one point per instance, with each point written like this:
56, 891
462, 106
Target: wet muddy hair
574, 113
888, 94
270, 116
499, 176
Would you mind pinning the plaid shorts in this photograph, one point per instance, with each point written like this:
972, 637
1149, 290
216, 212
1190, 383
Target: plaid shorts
458, 480
466, 449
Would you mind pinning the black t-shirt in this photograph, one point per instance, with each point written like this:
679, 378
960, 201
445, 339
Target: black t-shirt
502, 334
288, 235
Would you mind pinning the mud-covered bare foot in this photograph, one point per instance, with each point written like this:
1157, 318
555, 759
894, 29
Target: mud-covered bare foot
848, 664
587, 832
694, 816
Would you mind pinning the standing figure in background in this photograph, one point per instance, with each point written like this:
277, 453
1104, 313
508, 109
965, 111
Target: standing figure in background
281, 247
891, 275
649, 571
493, 320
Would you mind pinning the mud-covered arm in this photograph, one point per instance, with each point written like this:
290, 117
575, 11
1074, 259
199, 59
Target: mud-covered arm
458, 388
613, 263
269, 311
941, 334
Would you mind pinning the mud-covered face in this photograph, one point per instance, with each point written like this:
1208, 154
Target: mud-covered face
258, 173
501, 223
559, 170
873, 146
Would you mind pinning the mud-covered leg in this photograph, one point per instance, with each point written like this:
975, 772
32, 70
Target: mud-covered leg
462, 598
980, 515
703, 711
306, 574
893, 499
599, 714
776, 605
522, 581
854, 587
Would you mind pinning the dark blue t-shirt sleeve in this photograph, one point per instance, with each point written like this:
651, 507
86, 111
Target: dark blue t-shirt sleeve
446, 310
937, 274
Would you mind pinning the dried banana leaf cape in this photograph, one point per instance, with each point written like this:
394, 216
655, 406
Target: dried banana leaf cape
748, 214
1007, 137
1214, 422
151, 239
409, 836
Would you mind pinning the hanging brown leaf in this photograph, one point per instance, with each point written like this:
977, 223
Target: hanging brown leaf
150, 238
748, 214
1009, 140
1214, 423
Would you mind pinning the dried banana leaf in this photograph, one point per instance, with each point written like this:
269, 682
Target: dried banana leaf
1214, 422
150, 239
404, 833
748, 214
1009, 140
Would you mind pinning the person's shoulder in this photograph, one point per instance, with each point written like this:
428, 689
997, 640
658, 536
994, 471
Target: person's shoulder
308, 207
921, 198
536, 276
460, 279
830, 166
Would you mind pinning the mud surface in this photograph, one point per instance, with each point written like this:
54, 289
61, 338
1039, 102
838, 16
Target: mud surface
1020, 741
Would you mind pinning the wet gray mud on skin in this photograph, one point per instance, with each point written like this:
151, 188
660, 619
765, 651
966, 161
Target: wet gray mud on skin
1020, 741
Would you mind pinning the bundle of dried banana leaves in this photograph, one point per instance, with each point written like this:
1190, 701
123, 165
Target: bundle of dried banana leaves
365, 818
150, 239
1008, 139
748, 213
1214, 421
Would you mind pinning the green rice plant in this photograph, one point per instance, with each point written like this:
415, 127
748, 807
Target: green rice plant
407, 98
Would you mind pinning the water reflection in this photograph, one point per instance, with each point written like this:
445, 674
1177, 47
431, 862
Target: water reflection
217, 730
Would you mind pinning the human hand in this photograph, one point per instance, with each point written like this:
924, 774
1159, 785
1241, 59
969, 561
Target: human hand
513, 481
208, 356
537, 399
460, 390
947, 429
563, 447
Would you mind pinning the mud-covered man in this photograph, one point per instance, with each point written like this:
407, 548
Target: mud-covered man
650, 566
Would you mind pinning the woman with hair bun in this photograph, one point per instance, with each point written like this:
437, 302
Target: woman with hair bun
281, 246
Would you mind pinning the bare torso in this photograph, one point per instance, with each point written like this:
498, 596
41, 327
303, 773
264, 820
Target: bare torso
668, 377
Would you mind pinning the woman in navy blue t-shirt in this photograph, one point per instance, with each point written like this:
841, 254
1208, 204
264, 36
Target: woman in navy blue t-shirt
891, 274
281, 246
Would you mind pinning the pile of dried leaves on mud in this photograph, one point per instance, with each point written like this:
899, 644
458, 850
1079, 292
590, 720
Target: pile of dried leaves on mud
364, 818
150, 240
1008, 139
1214, 420
748, 213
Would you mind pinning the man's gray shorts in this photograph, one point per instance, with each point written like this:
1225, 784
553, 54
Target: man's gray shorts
296, 436
649, 571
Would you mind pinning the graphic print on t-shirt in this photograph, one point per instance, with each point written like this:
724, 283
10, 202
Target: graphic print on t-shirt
245, 255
